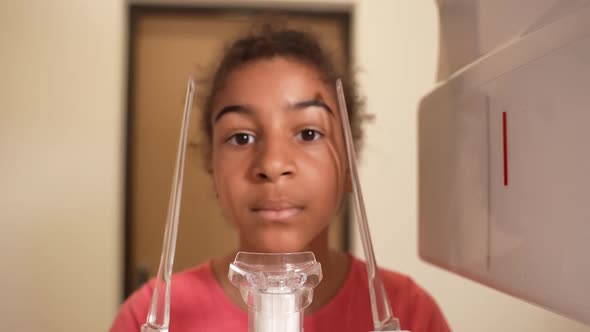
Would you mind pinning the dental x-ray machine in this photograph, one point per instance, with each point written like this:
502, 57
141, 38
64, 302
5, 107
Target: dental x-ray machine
504, 167
504, 161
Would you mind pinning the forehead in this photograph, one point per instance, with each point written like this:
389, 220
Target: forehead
275, 80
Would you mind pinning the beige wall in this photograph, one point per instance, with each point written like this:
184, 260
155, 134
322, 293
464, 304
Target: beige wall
61, 144
61, 119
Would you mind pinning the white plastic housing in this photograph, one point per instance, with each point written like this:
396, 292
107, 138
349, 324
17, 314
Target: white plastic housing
504, 166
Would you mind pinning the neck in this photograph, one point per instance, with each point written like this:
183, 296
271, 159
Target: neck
334, 269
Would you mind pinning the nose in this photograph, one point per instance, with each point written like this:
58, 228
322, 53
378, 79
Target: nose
273, 161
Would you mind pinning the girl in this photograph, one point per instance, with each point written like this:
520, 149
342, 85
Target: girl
276, 155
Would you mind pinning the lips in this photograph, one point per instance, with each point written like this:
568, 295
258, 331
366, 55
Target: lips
277, 210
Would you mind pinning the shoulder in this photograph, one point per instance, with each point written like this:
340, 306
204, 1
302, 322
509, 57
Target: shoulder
393, 281
133, 311
413, 305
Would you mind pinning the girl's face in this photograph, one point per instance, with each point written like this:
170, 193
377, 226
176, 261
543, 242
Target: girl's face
278, 154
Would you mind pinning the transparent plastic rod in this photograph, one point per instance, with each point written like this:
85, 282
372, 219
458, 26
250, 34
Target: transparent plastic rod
158, 317
383, 319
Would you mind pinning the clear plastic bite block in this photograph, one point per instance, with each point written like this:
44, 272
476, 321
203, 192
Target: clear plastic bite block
276, 287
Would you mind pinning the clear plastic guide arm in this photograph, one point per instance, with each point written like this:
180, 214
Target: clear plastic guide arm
158, 317
383, 319
276, 287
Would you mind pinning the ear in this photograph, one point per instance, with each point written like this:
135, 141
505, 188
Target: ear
347, 181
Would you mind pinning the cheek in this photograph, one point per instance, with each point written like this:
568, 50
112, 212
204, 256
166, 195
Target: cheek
326, 175
226, 181
230, 195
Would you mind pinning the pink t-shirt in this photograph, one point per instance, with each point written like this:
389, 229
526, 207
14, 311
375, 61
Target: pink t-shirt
199, 304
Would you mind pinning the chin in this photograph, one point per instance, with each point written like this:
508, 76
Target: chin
279, 248
271, 242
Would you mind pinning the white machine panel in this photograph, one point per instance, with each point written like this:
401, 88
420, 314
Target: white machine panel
504, 168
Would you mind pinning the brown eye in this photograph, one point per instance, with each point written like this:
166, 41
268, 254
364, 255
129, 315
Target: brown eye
241, 139
309, 135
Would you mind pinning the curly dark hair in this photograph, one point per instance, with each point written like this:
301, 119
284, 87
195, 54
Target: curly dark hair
268, 42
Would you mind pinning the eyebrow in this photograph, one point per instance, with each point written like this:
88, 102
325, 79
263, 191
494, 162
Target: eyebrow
232, 109
297, 106
316, 102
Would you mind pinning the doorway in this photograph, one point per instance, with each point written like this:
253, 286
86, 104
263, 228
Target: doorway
166, 45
